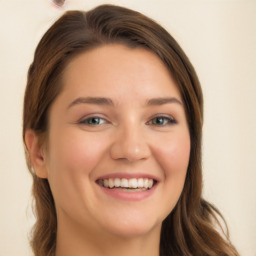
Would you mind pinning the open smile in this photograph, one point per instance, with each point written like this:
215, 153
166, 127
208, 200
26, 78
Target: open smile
128, 189
131, 185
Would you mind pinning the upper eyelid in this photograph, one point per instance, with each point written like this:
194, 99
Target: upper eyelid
168, 116
90, 117
93, 115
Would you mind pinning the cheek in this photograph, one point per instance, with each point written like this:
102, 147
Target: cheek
75, 152
173, 155
72, 159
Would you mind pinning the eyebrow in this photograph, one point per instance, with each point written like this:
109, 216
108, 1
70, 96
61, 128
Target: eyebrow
108, 102
162, 101
92, 100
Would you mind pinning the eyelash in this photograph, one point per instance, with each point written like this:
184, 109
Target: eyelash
164, 121
87, 120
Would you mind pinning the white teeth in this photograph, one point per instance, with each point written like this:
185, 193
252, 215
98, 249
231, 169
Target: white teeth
133, 183
111, 183
146, 185
117, 182
127, 183
124, 183
141, 183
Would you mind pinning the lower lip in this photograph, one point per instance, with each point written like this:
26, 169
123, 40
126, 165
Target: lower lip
128, 195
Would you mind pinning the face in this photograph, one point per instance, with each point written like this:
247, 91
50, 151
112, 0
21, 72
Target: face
118, 144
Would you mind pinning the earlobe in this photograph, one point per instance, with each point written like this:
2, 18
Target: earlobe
36, 154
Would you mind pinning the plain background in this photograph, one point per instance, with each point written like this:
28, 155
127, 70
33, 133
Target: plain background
219, 36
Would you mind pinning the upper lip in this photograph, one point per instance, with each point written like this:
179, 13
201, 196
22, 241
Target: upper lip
127, 176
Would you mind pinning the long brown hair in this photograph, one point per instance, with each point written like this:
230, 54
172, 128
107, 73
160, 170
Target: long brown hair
190, 227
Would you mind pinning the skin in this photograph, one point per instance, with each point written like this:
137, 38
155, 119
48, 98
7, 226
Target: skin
127, 138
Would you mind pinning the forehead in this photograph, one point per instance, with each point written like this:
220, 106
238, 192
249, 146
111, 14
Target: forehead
116, 69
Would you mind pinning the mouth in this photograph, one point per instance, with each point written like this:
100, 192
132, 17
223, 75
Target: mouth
127, 185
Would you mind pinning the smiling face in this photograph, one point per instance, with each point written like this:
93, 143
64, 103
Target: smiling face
118, 144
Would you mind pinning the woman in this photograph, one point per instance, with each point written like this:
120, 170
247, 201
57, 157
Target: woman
113, 115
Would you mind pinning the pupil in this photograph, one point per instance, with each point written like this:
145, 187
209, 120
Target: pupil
159, 120
94, 120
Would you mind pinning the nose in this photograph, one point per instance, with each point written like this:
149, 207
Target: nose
130, 144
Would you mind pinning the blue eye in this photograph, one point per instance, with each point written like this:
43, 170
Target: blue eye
93, 121
162, 121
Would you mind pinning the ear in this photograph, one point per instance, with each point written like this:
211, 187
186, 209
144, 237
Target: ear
36, 154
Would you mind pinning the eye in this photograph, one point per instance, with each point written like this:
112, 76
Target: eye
93, 121
162, 121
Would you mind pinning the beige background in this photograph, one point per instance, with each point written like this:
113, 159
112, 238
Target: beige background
219, 36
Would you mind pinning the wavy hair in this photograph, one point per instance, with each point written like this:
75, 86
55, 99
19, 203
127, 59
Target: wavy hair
191, 228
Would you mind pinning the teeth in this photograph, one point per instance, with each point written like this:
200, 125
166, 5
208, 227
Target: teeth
141, 183
150, 183
132, 183
111, 183
117, 182
124, 183
105, 183
146, 185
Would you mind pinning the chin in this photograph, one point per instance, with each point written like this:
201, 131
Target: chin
131, 226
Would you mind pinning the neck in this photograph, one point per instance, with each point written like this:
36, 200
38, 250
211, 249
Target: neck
78, 241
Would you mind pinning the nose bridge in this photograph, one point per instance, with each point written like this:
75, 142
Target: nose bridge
130, 142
